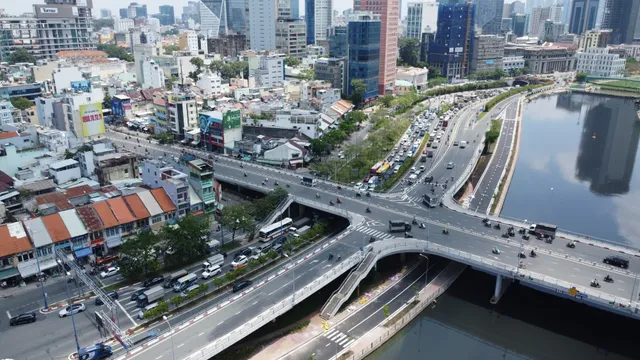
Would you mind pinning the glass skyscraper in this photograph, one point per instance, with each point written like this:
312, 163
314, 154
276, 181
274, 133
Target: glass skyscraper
363, 52
453, 45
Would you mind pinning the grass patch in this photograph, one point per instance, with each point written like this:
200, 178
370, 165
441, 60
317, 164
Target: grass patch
397, 317
482, 114
620, 85
444, 109
299, 327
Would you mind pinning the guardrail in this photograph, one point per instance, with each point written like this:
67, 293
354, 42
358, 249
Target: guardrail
269, 219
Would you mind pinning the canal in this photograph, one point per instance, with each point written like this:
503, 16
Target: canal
574, 169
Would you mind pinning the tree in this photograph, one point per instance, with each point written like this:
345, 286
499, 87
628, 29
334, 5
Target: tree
547, 38
409, 49
116, 52
68, 154
358, 89
199, 64
525, 70
581, 77
307, 74
169, 49
21, 56
187, 239
21, 103
386, 100
356, 116
319, 146
174, 31
140, 258
262, 207
102, 23
434, 72
291, 61
235, 217
106, 101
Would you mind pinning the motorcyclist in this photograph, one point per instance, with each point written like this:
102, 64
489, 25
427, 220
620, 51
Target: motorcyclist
532, 253
330, 202
445, 231
275, 183
317, 196
368, 210
245, 174
330, 256
607, 278
595, 283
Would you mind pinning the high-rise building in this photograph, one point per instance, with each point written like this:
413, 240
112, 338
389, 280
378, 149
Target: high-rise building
594, 38
105, 14
388, 11
426, 39
332, 70
421, 17
556, 13
551, 30
124, 14
452, 49
363, 52
318, 17
489, 15
213, 17
583, 16
167, 15
519, 24
261, 15
516, 7
621, 16
289, 9
136, 10
566, 11
338, 41
538, 16
236, 16
599, 62
291, 37
488, 51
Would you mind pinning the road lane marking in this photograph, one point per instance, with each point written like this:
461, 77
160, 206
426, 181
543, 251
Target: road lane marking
8, 314
220, 323
181, 345
202, 333
126, 313
327, 344
159, 357
255, 303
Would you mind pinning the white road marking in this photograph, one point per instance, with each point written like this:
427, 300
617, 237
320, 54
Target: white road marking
220, 323
8, 314
238, 313
254, 303
202, 333
327, 344
126, 313
159, 357
181, 345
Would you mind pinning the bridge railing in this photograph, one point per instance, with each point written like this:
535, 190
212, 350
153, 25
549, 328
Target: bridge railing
269, 219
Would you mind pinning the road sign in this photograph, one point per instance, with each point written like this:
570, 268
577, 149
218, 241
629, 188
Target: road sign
573, 291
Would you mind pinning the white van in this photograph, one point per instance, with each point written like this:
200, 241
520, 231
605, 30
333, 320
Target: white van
145, 309
184, 282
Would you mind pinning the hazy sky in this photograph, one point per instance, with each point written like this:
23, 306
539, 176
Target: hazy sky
22, 6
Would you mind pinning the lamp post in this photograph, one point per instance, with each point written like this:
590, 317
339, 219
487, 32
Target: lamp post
293, 272
44, 293
73, 317
173, 350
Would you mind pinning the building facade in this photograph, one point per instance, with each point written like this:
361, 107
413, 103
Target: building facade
363, 53
63, 25
338, 41
291, 37
551, 31
153, 75
261, 24
488, 51
621, 17
421, 17
332, 70
584, 14
229, 45
452, 48
510, 64
318, 19
549, 59
599, 62
167, 15
270, 71
489, 16
538, 17
594, 38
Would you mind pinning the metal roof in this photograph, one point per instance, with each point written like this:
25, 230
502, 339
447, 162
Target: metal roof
38, 232
63, 163
73, 223
150, 203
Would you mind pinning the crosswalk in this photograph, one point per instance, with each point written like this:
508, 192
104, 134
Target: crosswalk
379, 235
338, 337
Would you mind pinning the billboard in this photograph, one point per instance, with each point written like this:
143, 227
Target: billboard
231, 119
81, 85
92, 120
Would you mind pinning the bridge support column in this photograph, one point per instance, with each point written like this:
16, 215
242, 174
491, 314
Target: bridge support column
403, 258
501, 286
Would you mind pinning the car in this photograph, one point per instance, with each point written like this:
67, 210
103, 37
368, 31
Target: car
25, 318
422, 167
357, 186
450, 165
114, 295
137, 292
455, 143
241, 285
153, 281
211, 272
244, 252
72, 310
240, 260
109, 272
429, 179
617, 261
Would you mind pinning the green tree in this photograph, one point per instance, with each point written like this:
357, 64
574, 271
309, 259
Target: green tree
291, 61
525, 70
236, 217
307, 74
169, 49
434, 72
386, 100
547, 38
581, 77
102, 23
174, 31
140, 255
187, 238
409, 49
319, 146
21, 56
358, 89
68, 154
106, 101
262, 207
199, 64
115, 51
21, 103
356, 116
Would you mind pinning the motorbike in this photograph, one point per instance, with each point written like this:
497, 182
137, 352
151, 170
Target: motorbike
317, 196
495, 251
368, 210
331, 203
372, 239
245, 174
445, 231
422, 226
339, 258
368, 194
608, 279
441, 204
525, 237
275, 183
330, 256
505, 235
520, 231
595, 284
287, 185
571, 245
485, 220
487, 224
414, 222
358, 194
339, 187
533, 254
339, 201
496, 226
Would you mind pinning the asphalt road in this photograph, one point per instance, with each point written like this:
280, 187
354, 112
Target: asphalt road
342, 334
483, 193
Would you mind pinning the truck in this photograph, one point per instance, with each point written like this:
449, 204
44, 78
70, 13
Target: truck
429, 201
546, 230
463, 144
150, 296
213, 246
423, 158
308, 181
302, 230
413, 178
399, 226
212, 261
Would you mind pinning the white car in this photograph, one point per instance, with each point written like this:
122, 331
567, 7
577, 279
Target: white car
358, 186
450, 165
109, 272
240, 260
72, 310
211, 272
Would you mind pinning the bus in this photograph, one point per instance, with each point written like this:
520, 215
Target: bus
274, 230
374, 169
383, 169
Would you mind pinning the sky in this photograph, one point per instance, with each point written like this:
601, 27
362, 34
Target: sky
22, 6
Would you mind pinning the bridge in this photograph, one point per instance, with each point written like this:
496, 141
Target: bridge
557, 269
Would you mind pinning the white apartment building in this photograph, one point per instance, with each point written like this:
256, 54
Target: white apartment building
182, 114
308, 122
153, 75
123, 25
598, 62
538, 16
317, 29
5, 112
512, 63
261, 24
421, 17
65, 171
271, 71
210, 83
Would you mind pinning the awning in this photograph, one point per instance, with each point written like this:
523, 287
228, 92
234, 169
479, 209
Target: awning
8, 273
195, 143
111, 243
296, 161
32, 268
83, 252
199, 212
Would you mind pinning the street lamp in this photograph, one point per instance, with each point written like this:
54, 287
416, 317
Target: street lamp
173, 350
293, 272
44, 293
426, 272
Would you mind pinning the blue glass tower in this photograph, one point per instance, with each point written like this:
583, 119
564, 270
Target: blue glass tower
310, 19
452, 48
363, 53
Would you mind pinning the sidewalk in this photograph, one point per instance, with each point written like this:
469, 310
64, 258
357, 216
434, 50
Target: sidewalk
17, 290
289, 343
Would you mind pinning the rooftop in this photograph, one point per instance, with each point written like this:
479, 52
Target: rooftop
150, 203
38, 185
8, 135
89, 218
121, 210
56, 228
73, 223
63, 163
37, 232
13, 239
163, 200
137, 207
61, 201
106, 215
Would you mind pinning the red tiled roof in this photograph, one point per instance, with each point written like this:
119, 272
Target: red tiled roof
90, 218
121, 210
6, 179
137, 207
8, 135
106, 216
10, 245
56, 198
163, 200
56, 228
78, 191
